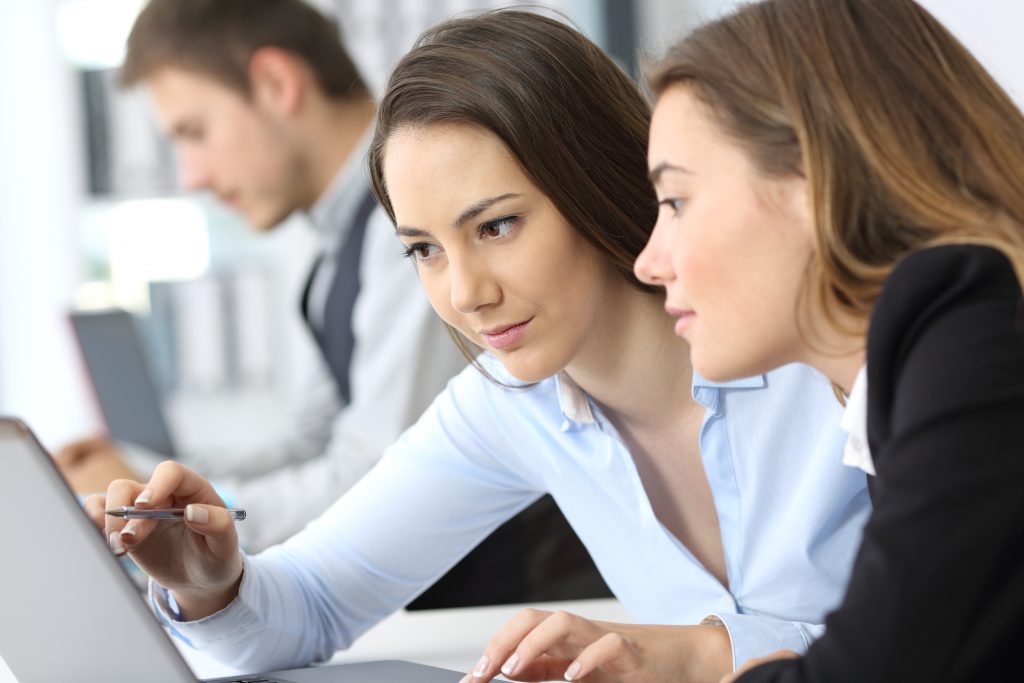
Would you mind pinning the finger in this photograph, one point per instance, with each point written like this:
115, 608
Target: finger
95, 507
758, 661
174, 483
543, 668
612, 653
561, 635
217, 527
120, 493
503, 643
135, 531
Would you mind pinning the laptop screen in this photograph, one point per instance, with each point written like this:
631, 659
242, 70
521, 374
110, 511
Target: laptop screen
122, 378
70, 612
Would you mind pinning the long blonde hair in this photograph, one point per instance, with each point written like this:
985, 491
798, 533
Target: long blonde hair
905, 140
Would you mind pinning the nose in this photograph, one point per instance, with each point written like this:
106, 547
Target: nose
193, 170
473, 286
654, 264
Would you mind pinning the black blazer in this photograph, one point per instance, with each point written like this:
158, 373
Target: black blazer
937, 588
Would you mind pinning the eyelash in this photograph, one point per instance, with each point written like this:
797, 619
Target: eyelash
673, 203
410, 251
510, 221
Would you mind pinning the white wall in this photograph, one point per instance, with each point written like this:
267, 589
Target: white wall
989, 28
40, 194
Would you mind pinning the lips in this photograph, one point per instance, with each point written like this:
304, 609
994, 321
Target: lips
504, 336
684, 318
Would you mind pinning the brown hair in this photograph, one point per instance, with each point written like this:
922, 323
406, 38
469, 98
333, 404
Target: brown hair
906, 141
217, 38
574, 121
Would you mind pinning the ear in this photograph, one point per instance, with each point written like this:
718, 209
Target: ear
278, 81
791, 196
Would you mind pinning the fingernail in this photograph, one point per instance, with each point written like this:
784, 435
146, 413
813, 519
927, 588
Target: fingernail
572, 671
510, 664
129, 529
144, 497
481, 666
115, 543
197, 515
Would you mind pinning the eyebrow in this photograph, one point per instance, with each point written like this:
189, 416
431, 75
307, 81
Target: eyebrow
469, 214
481, 206
403, 231
661, 168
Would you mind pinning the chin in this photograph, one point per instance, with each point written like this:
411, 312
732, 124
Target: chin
528, 370
268, 220
722, 369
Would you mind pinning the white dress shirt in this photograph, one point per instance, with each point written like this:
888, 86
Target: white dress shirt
857, 452
790, 516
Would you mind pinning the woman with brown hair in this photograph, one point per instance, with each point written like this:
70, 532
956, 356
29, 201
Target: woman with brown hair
842, 184
511, 154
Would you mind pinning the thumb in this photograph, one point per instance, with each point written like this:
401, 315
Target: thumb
216, 525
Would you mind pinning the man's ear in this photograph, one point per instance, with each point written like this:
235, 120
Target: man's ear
277, 81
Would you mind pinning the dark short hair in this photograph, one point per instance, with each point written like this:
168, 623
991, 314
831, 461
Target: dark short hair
217, 38
573, 120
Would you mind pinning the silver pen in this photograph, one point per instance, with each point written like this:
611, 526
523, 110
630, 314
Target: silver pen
172, 514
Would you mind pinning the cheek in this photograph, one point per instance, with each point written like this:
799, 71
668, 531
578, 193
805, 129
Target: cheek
698, 266
437, 288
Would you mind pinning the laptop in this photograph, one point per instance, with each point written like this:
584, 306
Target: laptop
123, 379
71, 613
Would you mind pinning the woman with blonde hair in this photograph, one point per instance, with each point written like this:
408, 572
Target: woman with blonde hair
842, 184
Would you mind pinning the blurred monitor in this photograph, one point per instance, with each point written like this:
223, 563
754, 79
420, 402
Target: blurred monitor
122, 378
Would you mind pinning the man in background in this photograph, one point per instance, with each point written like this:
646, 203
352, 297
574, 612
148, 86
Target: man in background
268, 111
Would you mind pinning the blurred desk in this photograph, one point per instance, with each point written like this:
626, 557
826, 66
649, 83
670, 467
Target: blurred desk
448, 638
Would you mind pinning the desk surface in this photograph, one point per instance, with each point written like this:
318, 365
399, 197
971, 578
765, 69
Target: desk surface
448, 638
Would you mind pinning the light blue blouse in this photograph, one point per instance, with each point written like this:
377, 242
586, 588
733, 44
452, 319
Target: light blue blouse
790, 517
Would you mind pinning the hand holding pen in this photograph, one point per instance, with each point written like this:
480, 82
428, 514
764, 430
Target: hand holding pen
197, 558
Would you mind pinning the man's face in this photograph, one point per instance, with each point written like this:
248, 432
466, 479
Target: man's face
236, 147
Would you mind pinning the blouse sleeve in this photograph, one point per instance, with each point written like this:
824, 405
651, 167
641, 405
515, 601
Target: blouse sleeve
439, 491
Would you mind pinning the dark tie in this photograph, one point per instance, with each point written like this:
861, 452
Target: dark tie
336, 339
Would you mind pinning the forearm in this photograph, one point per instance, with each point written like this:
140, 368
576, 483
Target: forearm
708, 655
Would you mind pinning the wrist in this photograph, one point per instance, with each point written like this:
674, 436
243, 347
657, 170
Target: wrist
710, 653
199, 604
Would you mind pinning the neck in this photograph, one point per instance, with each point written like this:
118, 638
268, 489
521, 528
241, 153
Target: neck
335, 129
637, 368
841, 370
838, 348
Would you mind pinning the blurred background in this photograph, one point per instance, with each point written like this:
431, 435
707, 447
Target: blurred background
91, 215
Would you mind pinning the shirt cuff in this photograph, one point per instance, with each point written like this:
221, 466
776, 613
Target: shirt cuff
200, 633
754, 636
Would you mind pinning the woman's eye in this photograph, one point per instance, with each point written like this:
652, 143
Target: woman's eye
673, 203
499, 227
421, 251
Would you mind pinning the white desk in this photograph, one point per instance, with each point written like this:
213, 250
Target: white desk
450, 638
